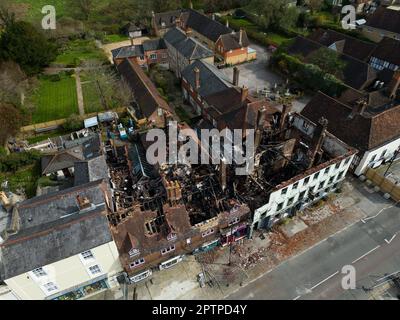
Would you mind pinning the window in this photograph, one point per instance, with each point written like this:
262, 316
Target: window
331, 179
136, 263
337, 166
295, 186
316, 176
233, 221
302, 194
284, 191
87, 255
290, 202
207, 233
326, 171
95, 269
321, 185
168, 250
153, 56
347, 161
50, 287
373, 159
340, 176
39, 272
133, 252
279, 207
383, 153
306, 180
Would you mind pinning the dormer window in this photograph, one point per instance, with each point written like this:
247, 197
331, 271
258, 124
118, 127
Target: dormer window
133, 252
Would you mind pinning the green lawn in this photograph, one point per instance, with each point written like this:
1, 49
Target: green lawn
111, 38
91, 97
55, 100
79, 51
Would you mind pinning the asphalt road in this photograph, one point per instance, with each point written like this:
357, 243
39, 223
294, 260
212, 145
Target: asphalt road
372, 246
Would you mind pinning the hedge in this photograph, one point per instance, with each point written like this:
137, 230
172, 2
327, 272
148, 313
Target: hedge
309, 76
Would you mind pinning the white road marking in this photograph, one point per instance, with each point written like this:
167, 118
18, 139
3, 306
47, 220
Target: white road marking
326, 279
389, 275
389, 241
297, 298
365, 254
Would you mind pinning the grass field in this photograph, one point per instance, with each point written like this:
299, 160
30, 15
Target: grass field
79, 51
91, 97
33, 8
111, 38
55, 100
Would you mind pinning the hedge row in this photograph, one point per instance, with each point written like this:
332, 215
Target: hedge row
309, 76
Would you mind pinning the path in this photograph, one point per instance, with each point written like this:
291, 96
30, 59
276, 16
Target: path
79, 92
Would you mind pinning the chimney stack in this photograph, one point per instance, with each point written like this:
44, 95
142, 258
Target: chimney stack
287, 108
196, 78
222, 172
317, 140
245, 93
236, 76
394, 85
241, 37
83, 203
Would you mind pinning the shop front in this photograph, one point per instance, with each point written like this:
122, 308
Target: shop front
233, 234
84, 290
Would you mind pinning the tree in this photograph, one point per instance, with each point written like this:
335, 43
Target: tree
329, 61
314, 5
10, 121
22, 43
82, 8
275, 14
73, 123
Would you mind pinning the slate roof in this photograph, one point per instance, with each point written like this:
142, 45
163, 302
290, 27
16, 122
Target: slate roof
61, 160
168, 18
52, 228
154, 44
385, 19
230, 41
76, 150
388, 50
212, 80
144, 90
188, 47
128, 52
353, 47
364, 132
209, 28
90, 170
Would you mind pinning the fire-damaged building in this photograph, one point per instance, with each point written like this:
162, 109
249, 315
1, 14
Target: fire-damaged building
297, 162
163, 211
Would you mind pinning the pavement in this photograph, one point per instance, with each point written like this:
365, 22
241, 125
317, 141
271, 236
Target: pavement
370, 245
255, 75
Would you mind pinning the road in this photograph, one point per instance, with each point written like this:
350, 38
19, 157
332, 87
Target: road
372, 246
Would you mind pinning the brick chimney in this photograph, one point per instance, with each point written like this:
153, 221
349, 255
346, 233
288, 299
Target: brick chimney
241, 37
196, 78
244, 93
287, 108
317, 140
236, 76
394, 85
83, 202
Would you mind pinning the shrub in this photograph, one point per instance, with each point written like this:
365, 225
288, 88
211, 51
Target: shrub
73, 123
15, 161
